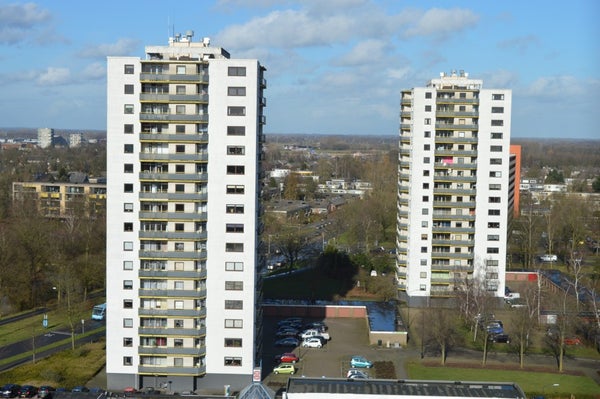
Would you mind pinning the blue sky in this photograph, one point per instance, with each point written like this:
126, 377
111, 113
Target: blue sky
333, 66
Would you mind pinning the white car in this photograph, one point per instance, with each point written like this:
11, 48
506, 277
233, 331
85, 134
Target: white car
312, 343
549, 258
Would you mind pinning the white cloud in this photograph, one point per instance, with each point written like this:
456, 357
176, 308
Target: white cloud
365, 52
18, 22
521, 43
94, 71
439, 23
122, 47
552, 87
54, 76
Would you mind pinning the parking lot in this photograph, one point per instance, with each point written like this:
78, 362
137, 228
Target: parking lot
348, 337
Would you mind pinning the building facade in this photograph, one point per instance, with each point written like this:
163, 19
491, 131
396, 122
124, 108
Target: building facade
184, 134
453, 187
45, 137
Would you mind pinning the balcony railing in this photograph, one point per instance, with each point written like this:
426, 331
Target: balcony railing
166, 77
195, 274
171, 350
150, 156
181, 332
193, 255
188, 137
172, 293
168, 117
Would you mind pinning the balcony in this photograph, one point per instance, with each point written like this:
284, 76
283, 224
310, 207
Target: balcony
451, 255
171, 350
184, 216
151, 156
456, 114
173, 177
172, 312
184, 274
179, 98
455, 153
164, 195
168, 117
451, 268
171, 137
454, 100
448, 229
179, 371
452, 126
453, 178
174, 235
191, 255
178, 332
454, 204
172, 78
172, 293
455, 139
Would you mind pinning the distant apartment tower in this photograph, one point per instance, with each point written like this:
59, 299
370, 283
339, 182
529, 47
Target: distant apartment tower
453, 187
184, 134
45, 137
75, 140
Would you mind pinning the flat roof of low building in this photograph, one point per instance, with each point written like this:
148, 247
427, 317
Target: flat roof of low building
356, 388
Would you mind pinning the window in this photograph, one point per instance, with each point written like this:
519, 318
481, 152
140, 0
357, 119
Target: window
234, 228
128, 128
127, 226
234, 266
233, 361
178, 304
426, 185
179, 207
180, 148
179, 226
423, 274
492, 262
128, 69
128, 323
496, 161
180, 69
493, 225
426, 160
496, 135
493, 250
128, 246
234, 285
127, 341
127, 284
497, 96
424, 211
128, 168
423, 250
495, 187
234, 247
128, 109
494, 200
428, 94
233, 342
427, 121
462, 95
127, 303
424, 236
178, 342
236, 150
180, 188
497, 110
236, 130
231, 304
179, 247
423, 262
427, 134
236, 111
495, 174
425, 198
422, 287
178, 323
427, 147
178, 285
236, 71
428, 108
179, 128
179, 168
128, 148
494, 212
497, 122
235, 189
496, 148
234, 208
127, 265
424, 223
236, 91
180, 109
128, 206
425, 173
493, 237
180, 89
236, 169
234, 323
128, 89
127, 361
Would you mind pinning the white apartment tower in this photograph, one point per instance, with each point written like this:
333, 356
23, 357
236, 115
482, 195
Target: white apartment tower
452, 187
184, 131
45, 137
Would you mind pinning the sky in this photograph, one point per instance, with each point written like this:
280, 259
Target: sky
334, 67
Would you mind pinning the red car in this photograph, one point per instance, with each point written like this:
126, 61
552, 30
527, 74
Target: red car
572, 341
287, 357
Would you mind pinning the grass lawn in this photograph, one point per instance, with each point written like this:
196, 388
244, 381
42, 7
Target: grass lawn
533, 383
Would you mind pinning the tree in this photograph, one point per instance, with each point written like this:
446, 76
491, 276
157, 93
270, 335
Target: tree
556, 334
554, 177
596, 185
524, 320
293, 243
525, 233
442, 330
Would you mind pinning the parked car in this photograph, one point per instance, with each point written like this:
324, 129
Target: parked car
312, 343
286, 333
548, 258
313, 333
80, 388
28, 391
287, 357
516, 303
316, 325
360, 362
130, 391
285, 368
500, 338
289, 341
494, 327
10, 390
45, 391
572, 341
356, 374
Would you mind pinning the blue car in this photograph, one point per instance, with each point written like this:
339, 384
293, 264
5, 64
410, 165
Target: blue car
360, 362
495, 327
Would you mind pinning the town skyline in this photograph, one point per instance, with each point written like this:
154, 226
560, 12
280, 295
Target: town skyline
332, 69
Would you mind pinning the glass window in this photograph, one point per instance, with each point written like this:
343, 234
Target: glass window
494, 212
236, 91
234, 228
423, 250
127, 341
492, 250
497, 110
233, 361
234, 247
127, 226
234, 323
427, 94
235, 189
128, 187
180, 69
236, 111
179, 128
180, 188
180, 109
234, 208
128, 148
234, 266
497, 96
128, 128
128, 206
128, 245
129, 69
236, 150
128, 108
234, 285
127, 265
496, 135
128, 323
128, 168
233, 342
127, 361
496, 161
427, 134
234, 304
128, 89
423, 274
236, 130
236, 71
497, 122
428, 108
127, 303
496, 148
180, 148
180, 89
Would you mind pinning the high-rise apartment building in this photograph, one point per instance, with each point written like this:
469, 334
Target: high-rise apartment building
45, 137
184, 131
453, 187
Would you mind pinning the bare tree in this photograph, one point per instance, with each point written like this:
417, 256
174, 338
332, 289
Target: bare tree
442, 329
524, 320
